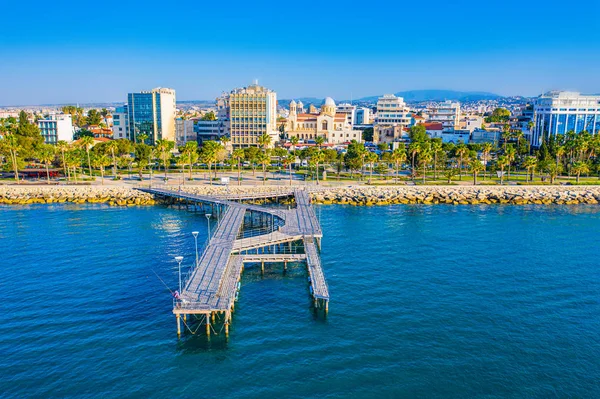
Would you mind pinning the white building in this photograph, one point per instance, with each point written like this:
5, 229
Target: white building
252, 113
559, 112
152, 113
446, 113
349, 110
120, 123
184, 131
56, 128
391, 120
471, 122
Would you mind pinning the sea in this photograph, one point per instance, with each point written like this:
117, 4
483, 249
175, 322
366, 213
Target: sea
427, 301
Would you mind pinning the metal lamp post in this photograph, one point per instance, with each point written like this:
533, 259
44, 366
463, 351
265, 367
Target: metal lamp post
208, 215
179, 259
195, 234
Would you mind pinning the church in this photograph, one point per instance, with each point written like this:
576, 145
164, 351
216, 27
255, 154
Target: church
328, 123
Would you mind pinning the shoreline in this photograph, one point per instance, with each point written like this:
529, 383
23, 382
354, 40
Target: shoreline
355, 195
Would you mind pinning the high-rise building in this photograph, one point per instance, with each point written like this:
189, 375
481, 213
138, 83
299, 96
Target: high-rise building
347, 109
558, 112
362, 116
446, 113
56, 128
120, 126
252, 113
152, 113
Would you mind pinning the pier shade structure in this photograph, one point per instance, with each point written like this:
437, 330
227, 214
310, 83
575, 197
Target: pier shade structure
247, 231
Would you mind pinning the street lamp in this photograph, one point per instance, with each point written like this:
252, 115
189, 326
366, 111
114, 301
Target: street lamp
195, 234
179, 259
208, 215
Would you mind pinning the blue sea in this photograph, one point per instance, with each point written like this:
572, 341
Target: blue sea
427, 302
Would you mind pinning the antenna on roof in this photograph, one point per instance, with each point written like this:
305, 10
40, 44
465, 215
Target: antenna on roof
256, 82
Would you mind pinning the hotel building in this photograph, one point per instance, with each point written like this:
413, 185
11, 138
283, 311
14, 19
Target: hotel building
393, 117
152, 113
252, 113
558, 112
56, 128
120, 127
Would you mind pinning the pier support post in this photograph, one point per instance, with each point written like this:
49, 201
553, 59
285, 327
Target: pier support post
208, 325
326, 306
285, 265
262, 267
178, 317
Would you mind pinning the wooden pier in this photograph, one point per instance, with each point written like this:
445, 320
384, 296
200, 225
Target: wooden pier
284, 235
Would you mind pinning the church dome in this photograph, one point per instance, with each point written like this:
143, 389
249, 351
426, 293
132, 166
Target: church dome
329, 101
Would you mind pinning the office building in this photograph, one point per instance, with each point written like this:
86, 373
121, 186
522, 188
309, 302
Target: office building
56, 128
558, 112
392, 119
252, 113
362, 116
152, 113
184, 131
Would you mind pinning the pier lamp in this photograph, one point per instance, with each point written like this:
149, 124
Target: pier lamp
179, 259
195, 234
208, 215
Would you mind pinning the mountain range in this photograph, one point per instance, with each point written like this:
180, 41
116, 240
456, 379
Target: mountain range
411, 96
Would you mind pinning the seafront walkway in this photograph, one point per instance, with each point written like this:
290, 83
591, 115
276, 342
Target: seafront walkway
245, 233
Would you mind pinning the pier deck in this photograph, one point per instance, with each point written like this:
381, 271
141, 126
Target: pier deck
213, 283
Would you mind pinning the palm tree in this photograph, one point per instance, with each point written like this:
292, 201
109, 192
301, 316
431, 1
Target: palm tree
113, 147
425, 158
264, 140
319, 141
413, 148
529, 163
476, 166
164, 148
317, 158
486, 150
436, 148
580, 167
371, 158
63, 146
264, 159
142, 137
225, 140
46, 154
288, 161
87, 142
294, 140
510, 153
238, 155
502, 163
461, 152
560, 152
553, 170
190, 150
399, 156
100, 161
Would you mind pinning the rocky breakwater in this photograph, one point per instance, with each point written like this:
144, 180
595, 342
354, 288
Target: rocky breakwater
117, 196
457, 195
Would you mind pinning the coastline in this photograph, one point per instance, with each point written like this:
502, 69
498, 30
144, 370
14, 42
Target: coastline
351, 195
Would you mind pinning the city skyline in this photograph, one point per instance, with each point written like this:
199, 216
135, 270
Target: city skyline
338, 51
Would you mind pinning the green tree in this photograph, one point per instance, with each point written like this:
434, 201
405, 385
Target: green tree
498, 115
449, 173
11, 147
87, 143
164, 148
113, 147
502, 162
399, 157
209, 116
143, 154
264, 160
287, 162
93, 117
530, 163
418, 133
510, 152
264, 141
553, 169
371, 158
101, 161
580, 168
238, 156
462, 152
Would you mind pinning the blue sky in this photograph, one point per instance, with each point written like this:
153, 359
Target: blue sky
66, 52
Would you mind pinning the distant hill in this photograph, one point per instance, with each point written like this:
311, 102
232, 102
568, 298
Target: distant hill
439, 95
305, 100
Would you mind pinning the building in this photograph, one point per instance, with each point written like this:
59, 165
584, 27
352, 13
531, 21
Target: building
100, 132
328, 123
184, 131
391, 120
209, 130
558, 112
347, 109
434, 129
363, 116
56, 128
471, 122
252, 113
120, 127
480, 136
152, 113
446, 113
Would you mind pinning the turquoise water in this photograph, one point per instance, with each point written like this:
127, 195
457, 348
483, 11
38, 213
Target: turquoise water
427, 301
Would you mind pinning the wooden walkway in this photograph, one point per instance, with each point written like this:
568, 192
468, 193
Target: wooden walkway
212, 287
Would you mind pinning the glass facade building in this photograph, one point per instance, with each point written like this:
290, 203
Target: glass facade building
562, 112
151, 113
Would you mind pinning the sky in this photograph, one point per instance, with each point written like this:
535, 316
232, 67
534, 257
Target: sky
80, 52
